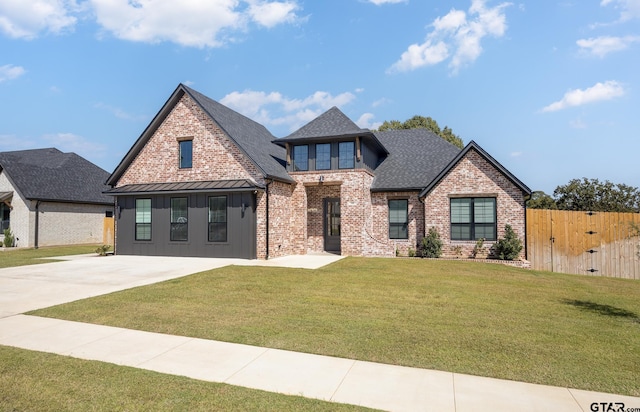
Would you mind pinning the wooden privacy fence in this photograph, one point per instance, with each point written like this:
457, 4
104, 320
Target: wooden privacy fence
592, 243
108, 231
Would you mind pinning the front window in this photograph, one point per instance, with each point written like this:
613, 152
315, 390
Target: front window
323, 156
179, 221
473, 218
143, 219
186, 154
4, 216
300, 158
398, 218
218, 219
346, 155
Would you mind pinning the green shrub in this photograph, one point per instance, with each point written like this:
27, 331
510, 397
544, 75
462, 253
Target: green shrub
412, 252
431, 245
508, 247
103, 249
8, 238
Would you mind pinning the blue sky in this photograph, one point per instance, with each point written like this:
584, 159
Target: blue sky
550, 88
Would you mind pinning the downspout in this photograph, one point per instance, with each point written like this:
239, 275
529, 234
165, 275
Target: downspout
266, 191
35, 240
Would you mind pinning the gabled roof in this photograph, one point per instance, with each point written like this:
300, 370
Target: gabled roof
252, 138
50, 175
474, 146
332, 124
416, 156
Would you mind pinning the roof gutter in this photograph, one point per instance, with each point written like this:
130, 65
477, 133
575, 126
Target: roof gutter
35, 240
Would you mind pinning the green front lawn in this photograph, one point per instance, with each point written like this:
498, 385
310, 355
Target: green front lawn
481, 319
10, 257
36, 381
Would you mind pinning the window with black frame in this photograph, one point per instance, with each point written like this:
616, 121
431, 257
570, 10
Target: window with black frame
186, 154
398, 218
179, 219
218, 219
346, 155
473, 218
300, 158
143, 219
323, 156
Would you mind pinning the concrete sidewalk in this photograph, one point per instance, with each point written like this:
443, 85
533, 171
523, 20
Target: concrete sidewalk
387, 387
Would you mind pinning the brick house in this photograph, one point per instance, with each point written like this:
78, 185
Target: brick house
204, 180
48, 198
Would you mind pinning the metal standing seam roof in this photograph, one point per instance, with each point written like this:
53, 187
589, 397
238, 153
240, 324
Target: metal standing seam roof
51, 175
213, 185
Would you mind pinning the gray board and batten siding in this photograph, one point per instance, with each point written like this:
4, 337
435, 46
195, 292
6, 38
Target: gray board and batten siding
240, 226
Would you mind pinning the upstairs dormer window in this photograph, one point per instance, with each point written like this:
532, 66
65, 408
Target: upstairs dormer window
346, 155
323, 156
300, 158
186, 153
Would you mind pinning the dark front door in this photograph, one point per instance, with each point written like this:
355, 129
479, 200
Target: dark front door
332, 225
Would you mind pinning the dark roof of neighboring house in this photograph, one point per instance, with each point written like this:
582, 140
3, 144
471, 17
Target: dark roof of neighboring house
416, 156
331, 124
51, 175
251, 137
474, 146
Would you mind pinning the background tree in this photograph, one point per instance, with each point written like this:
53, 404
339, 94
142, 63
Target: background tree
421, 122
591, 194
541, 200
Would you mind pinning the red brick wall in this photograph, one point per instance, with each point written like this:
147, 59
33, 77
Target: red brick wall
215, 157
474, 176
379, 243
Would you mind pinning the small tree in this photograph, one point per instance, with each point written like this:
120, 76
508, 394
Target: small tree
431, 245
8, 238
508, 247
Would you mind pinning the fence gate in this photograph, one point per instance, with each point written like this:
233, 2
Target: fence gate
597, 243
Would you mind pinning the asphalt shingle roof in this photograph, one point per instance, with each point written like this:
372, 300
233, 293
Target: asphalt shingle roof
252, 137
331, 123
49, 174
416, 157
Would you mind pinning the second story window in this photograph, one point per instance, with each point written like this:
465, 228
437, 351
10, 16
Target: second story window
186, 153
323, 156
300, 158
346, 155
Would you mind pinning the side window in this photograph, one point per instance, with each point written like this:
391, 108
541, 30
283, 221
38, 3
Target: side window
179, 221
186, 153
346, 155
300, 158
473, 218
323, 156
398, 219
143, 219
217, 219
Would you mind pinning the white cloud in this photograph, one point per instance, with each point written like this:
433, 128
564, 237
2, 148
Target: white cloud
577, 124
629, 9
366, 122
515, 154
10, 72
193, 23
603, 45
28, 18
457, 35
270, 14
119, 113
599, 92
69, 142
379, 2
274, 109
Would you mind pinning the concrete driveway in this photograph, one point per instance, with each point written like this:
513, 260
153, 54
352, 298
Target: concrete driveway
26, 288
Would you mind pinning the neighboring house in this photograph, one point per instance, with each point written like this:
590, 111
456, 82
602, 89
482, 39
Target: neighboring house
52, 198
204, 180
